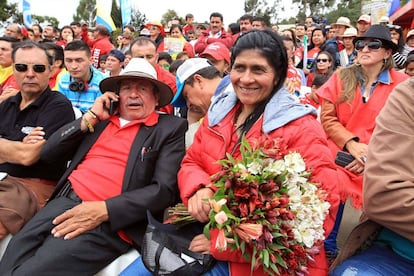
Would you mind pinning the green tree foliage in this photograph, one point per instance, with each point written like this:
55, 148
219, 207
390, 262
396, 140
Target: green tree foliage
116, 14
138, 19
168, 16
8, 10
350, 9
263, 9
312, 7
86, 11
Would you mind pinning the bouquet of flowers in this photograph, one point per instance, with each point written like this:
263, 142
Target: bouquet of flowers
265, 206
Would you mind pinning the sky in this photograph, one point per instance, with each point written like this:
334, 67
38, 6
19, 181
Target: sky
63, 10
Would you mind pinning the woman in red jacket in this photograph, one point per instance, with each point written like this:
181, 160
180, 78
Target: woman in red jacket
259, 105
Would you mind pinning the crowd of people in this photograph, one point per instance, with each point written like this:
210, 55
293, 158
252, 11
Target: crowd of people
97, 130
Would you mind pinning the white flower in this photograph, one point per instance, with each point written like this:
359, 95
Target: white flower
254, 168
277, 167
295, 162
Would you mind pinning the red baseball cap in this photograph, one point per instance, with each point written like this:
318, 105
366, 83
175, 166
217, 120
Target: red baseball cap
218, 51
365, 18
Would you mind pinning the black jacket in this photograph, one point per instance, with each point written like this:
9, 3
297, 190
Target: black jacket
150, 180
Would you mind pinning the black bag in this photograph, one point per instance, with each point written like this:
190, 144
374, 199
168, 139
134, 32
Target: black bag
165, 249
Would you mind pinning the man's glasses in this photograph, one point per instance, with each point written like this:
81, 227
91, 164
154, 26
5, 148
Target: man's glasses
372, 45
322, 60
38, 68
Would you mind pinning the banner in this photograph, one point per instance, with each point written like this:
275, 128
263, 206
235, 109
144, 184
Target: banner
126, 12
27, 16
393, 6
103, 14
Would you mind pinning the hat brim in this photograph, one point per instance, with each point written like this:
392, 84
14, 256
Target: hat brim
112, 84
341, 24
391, 45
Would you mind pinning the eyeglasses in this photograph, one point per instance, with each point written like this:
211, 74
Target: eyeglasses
38, 68
322, 60
372, 45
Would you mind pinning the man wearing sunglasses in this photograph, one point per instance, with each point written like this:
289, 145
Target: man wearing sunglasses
27, 120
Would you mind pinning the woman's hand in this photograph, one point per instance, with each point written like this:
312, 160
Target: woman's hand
198, 206
200, 244
359, 151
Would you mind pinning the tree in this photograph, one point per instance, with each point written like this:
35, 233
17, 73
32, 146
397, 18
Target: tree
350, 9
138, 19
116, 14
7, 11
168, 16
86, 11
261, 8
312, 7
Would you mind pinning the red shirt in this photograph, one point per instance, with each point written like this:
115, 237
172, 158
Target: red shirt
100, 175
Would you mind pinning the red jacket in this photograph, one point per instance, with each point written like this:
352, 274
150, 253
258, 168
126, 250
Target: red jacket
99, 47
204, 39
169, 79
304, 135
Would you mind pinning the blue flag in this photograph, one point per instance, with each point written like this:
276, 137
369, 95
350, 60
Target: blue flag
27, 17
126, 12
393, 6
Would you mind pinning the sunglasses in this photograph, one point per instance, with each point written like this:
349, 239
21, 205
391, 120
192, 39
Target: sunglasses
372, 45
38, 68
322, 60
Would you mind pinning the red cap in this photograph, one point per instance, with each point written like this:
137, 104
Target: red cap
218, 51
366, 18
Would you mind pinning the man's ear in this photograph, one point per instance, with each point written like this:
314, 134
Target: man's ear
199, 80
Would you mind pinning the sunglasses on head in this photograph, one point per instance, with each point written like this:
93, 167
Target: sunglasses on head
372, 45
322, 60
38, 68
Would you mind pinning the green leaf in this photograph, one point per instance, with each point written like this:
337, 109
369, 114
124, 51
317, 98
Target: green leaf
206, 230
253, 260
265, 257
280, 261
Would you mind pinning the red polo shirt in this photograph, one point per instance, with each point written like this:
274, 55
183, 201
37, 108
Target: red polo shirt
100, 175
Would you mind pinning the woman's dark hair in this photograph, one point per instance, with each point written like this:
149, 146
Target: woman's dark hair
173, 26
270, 45
66, 27
401, 42
311, 45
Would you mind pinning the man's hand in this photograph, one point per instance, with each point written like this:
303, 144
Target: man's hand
198, 206
101, 105
200, 244
36, 135
81, 218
